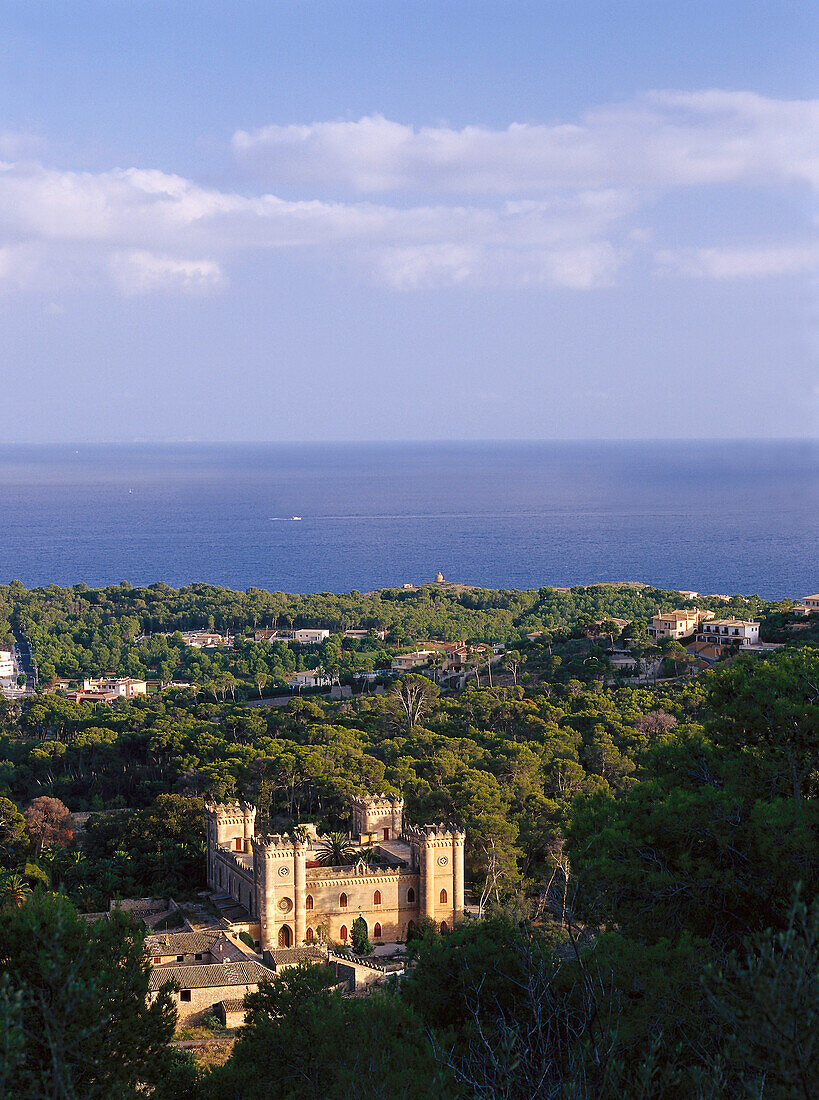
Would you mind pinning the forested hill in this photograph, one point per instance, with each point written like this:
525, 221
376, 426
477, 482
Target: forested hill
76, 631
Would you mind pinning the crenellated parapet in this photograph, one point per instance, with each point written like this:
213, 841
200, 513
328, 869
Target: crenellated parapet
238, 860
278, 845
440, 835
230, 810
229, 822
352, 876
378, 802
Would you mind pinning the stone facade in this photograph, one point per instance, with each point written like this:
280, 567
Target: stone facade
417, 872
202, 986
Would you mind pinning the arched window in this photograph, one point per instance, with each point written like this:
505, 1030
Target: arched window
410, 896
443, 897
377, 932
285, 936
444, 926
377, 897
342, 901
309, 936
308, 902
343, 933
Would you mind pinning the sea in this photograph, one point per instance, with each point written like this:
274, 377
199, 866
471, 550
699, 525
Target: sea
716, 517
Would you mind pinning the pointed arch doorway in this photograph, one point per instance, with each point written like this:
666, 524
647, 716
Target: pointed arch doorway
285, 936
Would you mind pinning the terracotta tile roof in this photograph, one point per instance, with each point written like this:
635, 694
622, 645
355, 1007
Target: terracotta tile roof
281, 956
211, 975
237, 1005
180, 943
727, 622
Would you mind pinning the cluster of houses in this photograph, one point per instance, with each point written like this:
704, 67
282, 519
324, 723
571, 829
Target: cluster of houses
443, 660
212, 972
108, 690
440, 660
707, 638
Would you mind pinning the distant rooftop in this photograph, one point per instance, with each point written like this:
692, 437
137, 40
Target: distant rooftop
184, 943
211, 975
729, 622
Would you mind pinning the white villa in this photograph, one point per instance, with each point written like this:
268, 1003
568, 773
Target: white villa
310, 636
728, 632
310, 678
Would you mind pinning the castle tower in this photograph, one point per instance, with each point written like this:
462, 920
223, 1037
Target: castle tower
300, 887
280, 874
231, 825
379, 815
438, 851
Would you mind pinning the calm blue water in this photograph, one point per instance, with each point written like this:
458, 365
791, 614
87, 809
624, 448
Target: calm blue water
738, 517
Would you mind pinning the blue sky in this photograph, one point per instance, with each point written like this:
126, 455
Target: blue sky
320, 220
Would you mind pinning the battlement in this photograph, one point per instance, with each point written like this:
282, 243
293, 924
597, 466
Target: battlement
237, 810
240, 860
279, 844
230, 823
350, 875
386, 802
427, 834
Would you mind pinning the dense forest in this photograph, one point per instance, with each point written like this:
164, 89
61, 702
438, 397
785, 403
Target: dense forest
648, 854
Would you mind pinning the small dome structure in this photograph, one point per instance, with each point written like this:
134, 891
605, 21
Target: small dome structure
439, 578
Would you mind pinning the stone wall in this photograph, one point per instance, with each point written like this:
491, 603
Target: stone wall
204, 1001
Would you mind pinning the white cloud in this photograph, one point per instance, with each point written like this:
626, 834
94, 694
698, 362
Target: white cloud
564, 205
660, 139
143, 226
18, 145
578, 267
742, 263
139, 272
19, 266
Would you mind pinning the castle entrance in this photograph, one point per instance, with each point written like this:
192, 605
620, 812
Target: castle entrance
285, 936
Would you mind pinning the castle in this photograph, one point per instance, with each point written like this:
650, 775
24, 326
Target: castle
285, 898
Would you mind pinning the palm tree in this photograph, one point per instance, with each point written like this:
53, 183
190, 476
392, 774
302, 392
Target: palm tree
335, 850
13, 891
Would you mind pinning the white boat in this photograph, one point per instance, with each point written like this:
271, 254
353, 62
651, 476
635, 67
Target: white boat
295, 517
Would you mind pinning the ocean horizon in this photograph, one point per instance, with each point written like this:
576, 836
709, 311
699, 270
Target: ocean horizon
714, 516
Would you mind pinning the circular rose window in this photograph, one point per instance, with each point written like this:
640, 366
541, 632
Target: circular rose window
442, 860
285, 904
284, 872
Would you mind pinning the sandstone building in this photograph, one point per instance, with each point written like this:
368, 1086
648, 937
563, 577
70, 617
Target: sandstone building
286, 898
